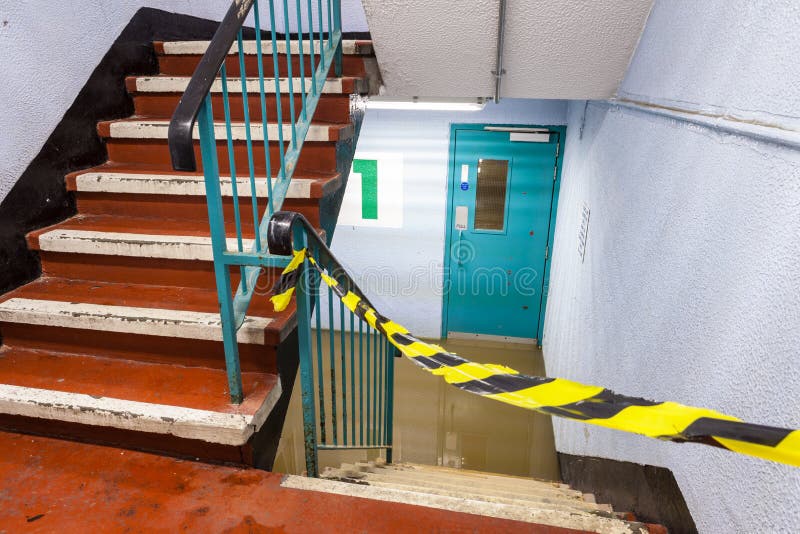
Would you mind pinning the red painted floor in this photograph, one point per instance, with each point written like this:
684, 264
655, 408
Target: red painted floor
49, 485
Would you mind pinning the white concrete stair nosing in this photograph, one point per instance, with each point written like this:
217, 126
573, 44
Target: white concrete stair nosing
188, 185
175, 247
473, 479
545, 503
128, 320
574, 519
157, 129
190, 423
178, 84
439, 485
350, 47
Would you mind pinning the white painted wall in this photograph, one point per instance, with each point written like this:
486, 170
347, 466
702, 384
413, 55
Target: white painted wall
689, 290
49, 49
553, 49
401, 268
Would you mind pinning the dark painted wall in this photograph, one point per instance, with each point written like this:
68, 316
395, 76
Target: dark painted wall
650, 492
39, 198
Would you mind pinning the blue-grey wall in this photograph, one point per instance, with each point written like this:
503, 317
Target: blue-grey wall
689, 288
401, 268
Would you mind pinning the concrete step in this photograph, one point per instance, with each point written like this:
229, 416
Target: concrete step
471, 474
181, 59
574, 519
191, 403
350, 47
178, 84
145, 182
548, 502
128, 320
477, 480
138, 245
455, 487
138, 322
158, 129
66, 486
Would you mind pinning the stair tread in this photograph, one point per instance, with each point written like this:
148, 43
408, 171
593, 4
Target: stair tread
179, 239
120, 488
188, 402
349, 47
137, 320
166, 83
188, 228
116, 178
455, 483
475, 478
542, 502
138, 296
153, 128
576, 519
199, 388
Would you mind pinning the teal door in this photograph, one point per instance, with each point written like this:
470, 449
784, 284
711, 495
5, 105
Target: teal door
502, 186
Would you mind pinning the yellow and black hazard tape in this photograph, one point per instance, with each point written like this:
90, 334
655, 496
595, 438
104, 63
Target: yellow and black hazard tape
564, 398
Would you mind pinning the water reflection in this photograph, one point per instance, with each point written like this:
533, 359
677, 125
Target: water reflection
437, 424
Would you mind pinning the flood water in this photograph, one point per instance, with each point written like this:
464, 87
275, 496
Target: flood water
438, 424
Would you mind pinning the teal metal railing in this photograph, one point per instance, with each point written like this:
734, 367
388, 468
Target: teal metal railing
317, 44
346, 366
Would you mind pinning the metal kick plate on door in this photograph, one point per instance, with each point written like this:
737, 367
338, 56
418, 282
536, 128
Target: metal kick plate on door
462, 216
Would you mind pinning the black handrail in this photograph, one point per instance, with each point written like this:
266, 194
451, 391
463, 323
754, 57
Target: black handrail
280, 240
181, 144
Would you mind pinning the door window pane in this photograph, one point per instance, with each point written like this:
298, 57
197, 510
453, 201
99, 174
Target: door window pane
490, 194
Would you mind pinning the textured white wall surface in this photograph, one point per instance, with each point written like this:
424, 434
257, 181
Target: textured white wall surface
401, 268
737, 58
555, 49
49, 49
689, 289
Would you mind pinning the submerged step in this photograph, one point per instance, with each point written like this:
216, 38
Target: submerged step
545, 503
128, 320
575, 519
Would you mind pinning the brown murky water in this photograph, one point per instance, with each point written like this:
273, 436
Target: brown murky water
438, 424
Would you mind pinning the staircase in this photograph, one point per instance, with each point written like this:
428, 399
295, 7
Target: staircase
456, 490
119, 340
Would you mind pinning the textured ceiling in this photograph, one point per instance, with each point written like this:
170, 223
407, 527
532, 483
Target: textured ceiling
572, 49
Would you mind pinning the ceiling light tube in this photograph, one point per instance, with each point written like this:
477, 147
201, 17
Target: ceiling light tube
426, 104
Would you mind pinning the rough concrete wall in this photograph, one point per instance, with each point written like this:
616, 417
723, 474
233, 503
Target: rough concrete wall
554, 49
401, 268
689, 288
49, 49
733, 58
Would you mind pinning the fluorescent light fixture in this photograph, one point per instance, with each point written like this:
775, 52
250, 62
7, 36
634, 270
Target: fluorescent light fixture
426, 104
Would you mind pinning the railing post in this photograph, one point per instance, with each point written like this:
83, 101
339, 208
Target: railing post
306, 365
208, 151
337, 26
389, 403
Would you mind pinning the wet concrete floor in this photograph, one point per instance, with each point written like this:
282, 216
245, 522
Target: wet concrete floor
51, 485
438, 424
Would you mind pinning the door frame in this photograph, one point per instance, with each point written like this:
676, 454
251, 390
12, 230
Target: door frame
561, 135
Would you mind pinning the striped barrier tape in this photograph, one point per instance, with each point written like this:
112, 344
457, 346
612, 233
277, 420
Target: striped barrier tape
556, 396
